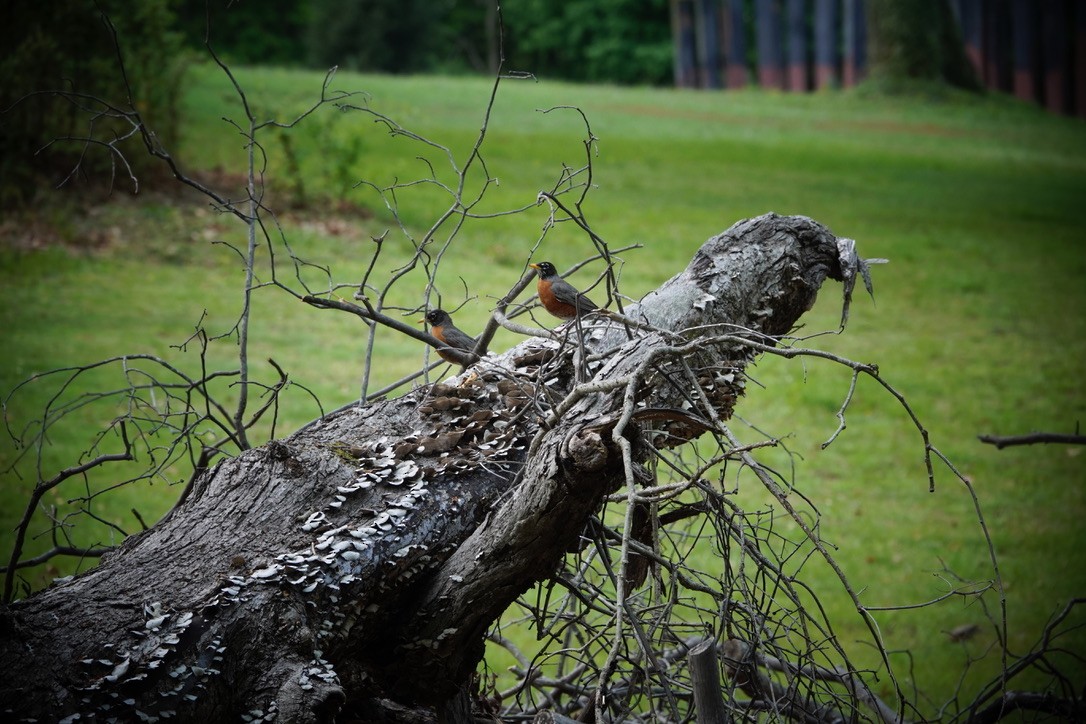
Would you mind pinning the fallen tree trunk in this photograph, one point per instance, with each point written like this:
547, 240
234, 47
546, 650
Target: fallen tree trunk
355, 566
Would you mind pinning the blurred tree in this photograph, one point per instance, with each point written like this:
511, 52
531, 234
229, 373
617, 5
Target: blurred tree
66, 45
620, 41
917, 41
470, 37
404, 36
385, 35
271, 32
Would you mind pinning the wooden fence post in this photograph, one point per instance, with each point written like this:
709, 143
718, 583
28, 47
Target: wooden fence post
1053, 54
796, 19
971, 14
708, 27
683, 40
825, 43
1023, 31
767, 14
735, 45
855, 33
1080, 60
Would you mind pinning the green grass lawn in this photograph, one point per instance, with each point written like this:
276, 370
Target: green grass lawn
978, 318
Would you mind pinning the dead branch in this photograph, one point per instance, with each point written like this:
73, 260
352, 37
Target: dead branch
1012, 702
1033, 438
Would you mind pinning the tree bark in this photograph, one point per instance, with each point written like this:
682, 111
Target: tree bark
353, 568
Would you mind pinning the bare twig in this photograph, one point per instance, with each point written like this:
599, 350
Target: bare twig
45, 486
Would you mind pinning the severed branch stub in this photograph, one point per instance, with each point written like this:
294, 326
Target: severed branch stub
354, 568
705, 681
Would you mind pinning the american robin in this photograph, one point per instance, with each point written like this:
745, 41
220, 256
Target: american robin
442, 327
559, 296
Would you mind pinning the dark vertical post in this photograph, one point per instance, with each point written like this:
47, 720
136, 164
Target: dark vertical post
708, 25
682, 35
1053, 56
996, 40
956, 9
735, 44
796, 19
1080, 60
825, 43
972, 34
770, 61
855, 32
1023, 31
705, 683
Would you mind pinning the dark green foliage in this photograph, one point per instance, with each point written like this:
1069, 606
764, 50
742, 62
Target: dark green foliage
624, 41
620, 41
470, 37
384, 35
60, 64
269, 32
917, 41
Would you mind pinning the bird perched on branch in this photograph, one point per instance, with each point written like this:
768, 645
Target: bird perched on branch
442, 327
559, 296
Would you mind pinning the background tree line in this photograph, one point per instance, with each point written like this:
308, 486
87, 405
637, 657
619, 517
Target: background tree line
620, 41
65, 47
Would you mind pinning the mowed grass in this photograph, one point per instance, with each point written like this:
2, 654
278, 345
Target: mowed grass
978, 318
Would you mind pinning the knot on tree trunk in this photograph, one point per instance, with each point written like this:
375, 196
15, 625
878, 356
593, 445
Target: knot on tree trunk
587, 451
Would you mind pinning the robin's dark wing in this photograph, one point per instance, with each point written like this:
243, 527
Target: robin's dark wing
453, 337
559, 309
566, 294
442, 327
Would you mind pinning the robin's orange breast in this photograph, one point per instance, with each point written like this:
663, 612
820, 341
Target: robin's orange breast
558, 307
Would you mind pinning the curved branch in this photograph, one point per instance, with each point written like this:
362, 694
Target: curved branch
40, 490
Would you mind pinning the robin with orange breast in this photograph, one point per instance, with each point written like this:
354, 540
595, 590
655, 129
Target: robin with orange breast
442, 327
559, 296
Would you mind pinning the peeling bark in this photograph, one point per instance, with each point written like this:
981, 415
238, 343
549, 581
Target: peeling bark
354, 567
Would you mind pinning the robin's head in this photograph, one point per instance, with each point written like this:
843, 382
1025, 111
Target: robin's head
438, 317
545, 269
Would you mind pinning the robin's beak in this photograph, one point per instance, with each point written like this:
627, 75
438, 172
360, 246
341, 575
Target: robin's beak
534, 266
420, 321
